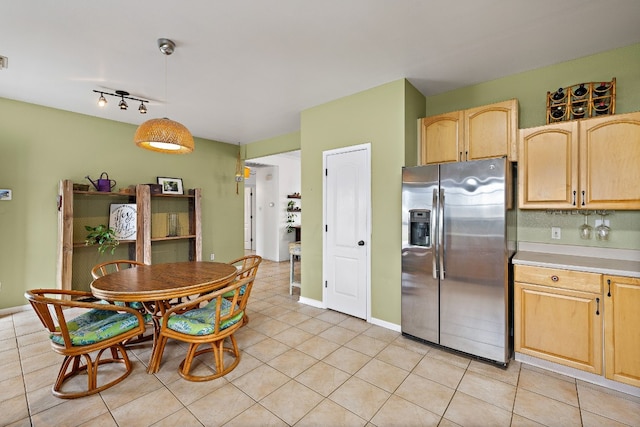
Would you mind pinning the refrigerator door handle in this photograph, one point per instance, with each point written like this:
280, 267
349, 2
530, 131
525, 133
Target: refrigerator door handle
435, 246
441, 250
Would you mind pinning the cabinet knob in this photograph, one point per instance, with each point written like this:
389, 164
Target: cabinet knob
555, 278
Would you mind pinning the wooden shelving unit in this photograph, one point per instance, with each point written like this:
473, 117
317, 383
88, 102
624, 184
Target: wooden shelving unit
79, 208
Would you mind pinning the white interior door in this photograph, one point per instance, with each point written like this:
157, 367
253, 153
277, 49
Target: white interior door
347, 230
249, 218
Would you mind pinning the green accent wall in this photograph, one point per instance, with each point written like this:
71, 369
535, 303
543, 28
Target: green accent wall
530, 88
385, 117
376, 116
40, 146
267, 147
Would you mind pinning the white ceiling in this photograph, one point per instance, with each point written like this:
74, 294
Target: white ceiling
243, 70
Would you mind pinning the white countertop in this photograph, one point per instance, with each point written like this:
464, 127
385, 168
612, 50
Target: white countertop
593, 260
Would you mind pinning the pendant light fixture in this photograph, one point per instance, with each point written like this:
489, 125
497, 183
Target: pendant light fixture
164, 135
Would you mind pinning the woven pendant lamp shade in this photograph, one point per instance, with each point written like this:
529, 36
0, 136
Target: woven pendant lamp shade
165, 136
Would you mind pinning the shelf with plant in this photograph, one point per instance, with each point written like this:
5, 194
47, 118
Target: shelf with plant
102, 236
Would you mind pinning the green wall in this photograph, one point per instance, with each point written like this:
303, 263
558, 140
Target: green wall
530, 88
39, 146
267, 147
378, 116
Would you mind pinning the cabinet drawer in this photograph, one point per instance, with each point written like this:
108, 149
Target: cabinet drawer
557, 278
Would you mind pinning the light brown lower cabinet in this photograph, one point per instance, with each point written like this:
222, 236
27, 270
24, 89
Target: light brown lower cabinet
562, 315
558, 316
622, 329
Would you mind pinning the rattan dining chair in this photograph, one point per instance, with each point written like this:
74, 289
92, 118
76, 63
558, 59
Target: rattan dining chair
78, 330
247, 267
107, 267
207, 320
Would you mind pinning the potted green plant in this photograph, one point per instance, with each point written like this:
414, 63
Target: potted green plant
102, 236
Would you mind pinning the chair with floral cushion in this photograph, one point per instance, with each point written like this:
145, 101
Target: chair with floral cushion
207, 320
108, 267
78, 329
247, 267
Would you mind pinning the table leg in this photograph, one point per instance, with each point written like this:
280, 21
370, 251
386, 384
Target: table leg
156, 318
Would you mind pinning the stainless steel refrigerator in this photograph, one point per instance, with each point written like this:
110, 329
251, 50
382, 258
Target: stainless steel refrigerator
458, 237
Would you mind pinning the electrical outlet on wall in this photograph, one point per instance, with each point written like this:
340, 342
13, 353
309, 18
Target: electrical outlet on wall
212, 257
556, 233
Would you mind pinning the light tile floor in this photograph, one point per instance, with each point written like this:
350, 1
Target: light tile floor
304, 366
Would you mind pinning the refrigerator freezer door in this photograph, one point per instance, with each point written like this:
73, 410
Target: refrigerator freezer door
419, 288
474, 291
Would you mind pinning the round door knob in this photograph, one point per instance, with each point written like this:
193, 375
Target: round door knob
361, 243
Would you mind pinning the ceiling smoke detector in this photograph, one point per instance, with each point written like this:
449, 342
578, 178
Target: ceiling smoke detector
4, 62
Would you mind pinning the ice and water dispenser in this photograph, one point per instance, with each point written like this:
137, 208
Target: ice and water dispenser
420, 227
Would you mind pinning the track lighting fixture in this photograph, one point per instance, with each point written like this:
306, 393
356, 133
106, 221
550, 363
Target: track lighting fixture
122, 94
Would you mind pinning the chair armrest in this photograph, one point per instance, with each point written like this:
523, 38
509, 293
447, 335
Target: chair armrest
81, 304
194, 303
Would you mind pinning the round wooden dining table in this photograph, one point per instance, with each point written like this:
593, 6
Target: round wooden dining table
156, 285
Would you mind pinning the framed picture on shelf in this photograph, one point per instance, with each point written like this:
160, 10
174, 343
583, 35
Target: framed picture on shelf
171, 185
123, 220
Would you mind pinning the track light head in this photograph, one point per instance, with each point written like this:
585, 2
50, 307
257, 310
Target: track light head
102, 101
123, 104
142, 108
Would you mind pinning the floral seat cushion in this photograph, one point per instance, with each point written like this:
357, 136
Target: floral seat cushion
135, 305
230, 293
88, 318
200, 321
95, 326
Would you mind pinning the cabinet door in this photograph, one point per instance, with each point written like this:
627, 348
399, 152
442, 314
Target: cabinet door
441, 138
559, 325
491, 131
609, 159
622, 329
548, 167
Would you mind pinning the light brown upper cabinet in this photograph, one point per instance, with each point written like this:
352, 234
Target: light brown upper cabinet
477, 133
440, 138
587, 164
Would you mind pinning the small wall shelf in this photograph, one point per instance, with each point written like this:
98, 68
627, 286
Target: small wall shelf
581, 101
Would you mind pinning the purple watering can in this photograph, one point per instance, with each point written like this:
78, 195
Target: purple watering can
104, 184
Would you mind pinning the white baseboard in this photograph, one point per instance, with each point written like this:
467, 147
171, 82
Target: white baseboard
311, 302
385, 324
12, 310
372, 320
